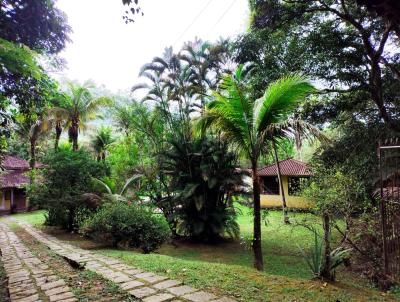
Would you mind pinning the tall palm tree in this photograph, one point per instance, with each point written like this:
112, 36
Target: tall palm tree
101, 141
79, 107
248, 124
32, 130
204, 60
122, 116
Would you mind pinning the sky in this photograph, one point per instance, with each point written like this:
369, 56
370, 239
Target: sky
111, 53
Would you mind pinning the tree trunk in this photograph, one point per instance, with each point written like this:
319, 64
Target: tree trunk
278, 169
58, 135
73, 133
326, 273
32, 161
71, 218
258, 257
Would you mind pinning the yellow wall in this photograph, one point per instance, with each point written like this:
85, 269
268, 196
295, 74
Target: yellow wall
7, 203
274, 201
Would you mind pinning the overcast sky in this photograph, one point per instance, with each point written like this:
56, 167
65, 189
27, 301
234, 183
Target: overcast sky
110, 52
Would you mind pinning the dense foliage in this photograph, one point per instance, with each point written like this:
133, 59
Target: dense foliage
203, 180
133, 225
66, 177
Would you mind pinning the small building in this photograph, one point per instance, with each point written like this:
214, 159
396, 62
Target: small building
293, 173
12, 185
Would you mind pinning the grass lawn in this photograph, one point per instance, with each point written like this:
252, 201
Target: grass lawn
226, 269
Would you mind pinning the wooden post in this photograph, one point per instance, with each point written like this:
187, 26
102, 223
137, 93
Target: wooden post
12, 200
3, 200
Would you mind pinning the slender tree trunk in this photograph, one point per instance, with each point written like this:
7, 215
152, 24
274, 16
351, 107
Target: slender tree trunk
32, 160
73, 133
278, 169
326, 268
71, 216
258, 257
75, 143
58, 135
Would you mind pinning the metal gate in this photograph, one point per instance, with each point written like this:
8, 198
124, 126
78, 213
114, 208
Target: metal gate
389, 161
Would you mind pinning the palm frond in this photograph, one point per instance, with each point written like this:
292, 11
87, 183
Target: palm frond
280, 99
103, 185
129, 182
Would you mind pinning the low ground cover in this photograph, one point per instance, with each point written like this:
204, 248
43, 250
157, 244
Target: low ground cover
226, 269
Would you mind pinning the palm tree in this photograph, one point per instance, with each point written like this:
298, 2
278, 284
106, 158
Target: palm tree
248, 124
32, 131
122, 116
204, 60
79, 107
102, 141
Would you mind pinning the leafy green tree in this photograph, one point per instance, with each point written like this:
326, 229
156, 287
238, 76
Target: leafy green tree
26, 25
37, 24
67, 176
248, 124
343, 45
79, 107
334, 192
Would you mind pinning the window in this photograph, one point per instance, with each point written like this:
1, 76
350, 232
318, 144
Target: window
296, 184
271, 185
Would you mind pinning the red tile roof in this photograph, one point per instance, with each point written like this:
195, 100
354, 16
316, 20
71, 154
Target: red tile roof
289, 167
16, 163
13, 179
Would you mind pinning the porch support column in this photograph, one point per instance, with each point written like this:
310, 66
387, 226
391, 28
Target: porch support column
12, 199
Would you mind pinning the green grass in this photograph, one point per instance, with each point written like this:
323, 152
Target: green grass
227, 268
34, 218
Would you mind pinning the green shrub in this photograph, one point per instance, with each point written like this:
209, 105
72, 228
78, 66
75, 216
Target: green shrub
203, 178
62, 184
130, 224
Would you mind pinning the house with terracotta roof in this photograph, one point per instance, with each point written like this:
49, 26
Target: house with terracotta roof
12, 185
293, 173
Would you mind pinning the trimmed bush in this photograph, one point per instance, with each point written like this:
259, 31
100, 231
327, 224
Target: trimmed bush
129, 224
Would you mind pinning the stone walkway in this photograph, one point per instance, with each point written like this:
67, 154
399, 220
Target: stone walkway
146, 286
29, 280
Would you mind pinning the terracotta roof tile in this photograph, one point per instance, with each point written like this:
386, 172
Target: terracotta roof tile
289, 167
16, 163
13, 179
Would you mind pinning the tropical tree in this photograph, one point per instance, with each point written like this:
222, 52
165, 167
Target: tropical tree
30, 129
101, 141
248, 124
205, 62
203, 179
78, 108
122, 116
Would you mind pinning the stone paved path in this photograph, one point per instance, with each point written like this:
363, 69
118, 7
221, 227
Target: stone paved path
29, 279
146, 286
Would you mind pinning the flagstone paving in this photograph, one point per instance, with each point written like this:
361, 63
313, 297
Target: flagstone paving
146, 286
29, 279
